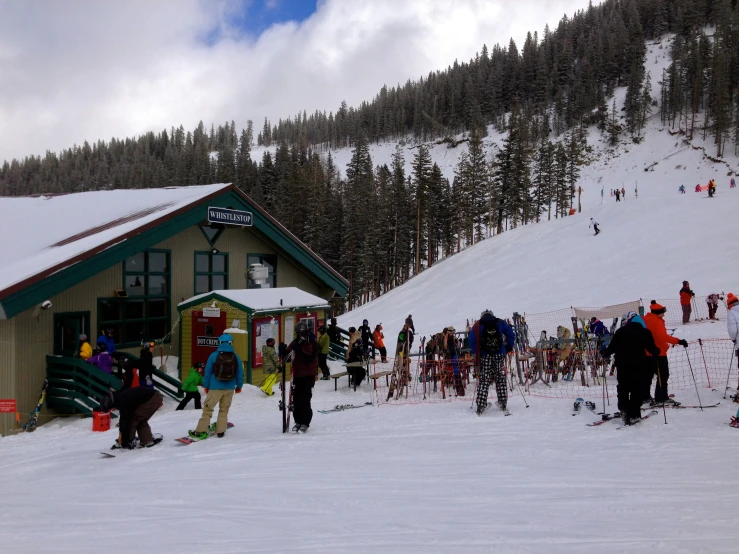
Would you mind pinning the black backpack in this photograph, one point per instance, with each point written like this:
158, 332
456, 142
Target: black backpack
225, 366
491, 340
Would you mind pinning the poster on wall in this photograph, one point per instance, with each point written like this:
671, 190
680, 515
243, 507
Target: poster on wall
264, 328
289, 329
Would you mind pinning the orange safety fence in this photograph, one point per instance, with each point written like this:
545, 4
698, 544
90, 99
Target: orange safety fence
699, 310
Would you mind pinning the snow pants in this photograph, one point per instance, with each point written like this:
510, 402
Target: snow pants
190, 396
687, 310
491, 367
629, 393
322, 358
383, 354
712, 309
140, 419
216, 397
661, 369
302, 394
596, 229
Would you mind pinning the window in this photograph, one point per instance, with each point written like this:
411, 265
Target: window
212, 232
211, 271
267, 260
145, 313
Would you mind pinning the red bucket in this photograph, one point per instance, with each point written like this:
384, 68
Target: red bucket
100, 421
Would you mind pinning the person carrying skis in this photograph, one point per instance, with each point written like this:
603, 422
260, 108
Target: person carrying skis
686, 298
490, 340
270, 366
594, 225
85, 348
660, 367
366, 333
135, 408
102, 360
712, 302
323, 346
305, 369
146, 365
190, 386
378, 338
630, 344
224, 376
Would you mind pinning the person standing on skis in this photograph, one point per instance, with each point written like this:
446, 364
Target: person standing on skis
490, 340
305, 368
630, 344
660, 367
594, 225
686, 298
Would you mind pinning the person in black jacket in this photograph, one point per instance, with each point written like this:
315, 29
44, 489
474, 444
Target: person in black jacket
333, 332
146, 366
411, 330
135, 407
366, 334
630, 345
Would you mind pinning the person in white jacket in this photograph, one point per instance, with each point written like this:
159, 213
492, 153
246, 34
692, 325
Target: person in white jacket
594, 224
732, 318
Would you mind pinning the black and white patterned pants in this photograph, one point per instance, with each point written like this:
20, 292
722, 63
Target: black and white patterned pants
491, 367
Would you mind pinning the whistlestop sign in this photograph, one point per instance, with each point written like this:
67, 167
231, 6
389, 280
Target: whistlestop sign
7, 405
229, 217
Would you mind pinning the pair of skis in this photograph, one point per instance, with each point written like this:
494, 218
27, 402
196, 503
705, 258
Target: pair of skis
343, 407
286, 407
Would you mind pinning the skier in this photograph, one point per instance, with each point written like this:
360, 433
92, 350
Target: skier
85, 348
682, 189
594, 225
732, 184
686, 297
378, 340
146, 367
135, 408
305, 369
630, 344
623, 192
712, 302
103, 361
224, 375
190, 386
490, 339
366, 334
618, 195
656, 324
270, 366
323, 346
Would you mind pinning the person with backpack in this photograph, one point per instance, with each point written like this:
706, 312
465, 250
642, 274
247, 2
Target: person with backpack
323, 346
490, 340
686, 298
630, 345
224, 375
190, 386
305, 369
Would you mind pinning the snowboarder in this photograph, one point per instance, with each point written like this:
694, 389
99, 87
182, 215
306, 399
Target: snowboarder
224, 376
490, 340
379, 342
712, 302
366, 334
102, 360
323, 346
305, 369
686, 298
146, 365
270, 366
594, 225
190, 386
630, 344
682, 189
135, 408
656, 324
85, 348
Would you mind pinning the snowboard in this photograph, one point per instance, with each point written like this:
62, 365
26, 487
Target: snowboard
342, 407
156, 440
211, 432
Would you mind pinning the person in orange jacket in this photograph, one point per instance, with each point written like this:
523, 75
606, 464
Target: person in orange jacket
655, 321
377, 340
686, 297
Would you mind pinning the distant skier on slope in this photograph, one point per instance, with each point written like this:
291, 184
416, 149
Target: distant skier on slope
686, 298
712, 302
732, 183
682, 189
490, 340
594, 224
618, 195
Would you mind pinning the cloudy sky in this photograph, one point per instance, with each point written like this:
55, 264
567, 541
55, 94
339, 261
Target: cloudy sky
89, 70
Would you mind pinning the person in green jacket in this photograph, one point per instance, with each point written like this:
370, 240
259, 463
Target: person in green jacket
323, 344
270, 366
191, 384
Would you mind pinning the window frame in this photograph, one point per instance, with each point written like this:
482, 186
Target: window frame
261, 258
210, 273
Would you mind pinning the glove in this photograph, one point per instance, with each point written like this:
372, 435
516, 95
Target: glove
683, 342
206, 390
238, 390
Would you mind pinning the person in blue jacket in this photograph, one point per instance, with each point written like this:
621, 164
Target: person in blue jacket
106, 337
490, 340
224, 375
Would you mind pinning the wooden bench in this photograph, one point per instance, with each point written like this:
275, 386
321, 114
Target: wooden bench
384, 374
336, 377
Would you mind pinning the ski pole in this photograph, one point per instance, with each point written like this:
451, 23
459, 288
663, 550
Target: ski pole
694, 381
705, 365
731, 362
522, 396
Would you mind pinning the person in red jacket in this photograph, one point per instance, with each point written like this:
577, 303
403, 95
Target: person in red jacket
305, 369
686, 297
656, 324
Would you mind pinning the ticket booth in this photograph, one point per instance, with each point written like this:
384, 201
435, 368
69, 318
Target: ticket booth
250, 316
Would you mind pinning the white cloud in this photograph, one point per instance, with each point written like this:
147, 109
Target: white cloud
88, 71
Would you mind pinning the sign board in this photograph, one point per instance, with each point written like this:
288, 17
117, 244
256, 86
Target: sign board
208, 341
7, 405
229, 217
289, 329
211, 312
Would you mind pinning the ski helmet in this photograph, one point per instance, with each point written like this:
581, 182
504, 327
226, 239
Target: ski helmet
302, 329
484, 313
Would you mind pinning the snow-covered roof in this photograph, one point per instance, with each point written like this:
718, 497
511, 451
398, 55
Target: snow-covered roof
261, 300
50, 232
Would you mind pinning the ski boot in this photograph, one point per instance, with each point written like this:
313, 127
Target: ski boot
303, 429
198, 436
296, 428
590, 405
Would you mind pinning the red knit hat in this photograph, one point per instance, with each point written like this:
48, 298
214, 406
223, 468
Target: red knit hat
731, 299
657, 308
